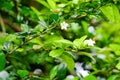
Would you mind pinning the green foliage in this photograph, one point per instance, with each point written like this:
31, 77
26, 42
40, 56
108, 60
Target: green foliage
60, 39
69, 61
90, 77
2, 61
111, 8
58, 72
79, 42
22, 73
56, 53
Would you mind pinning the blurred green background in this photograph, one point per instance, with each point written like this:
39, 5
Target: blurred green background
59, 40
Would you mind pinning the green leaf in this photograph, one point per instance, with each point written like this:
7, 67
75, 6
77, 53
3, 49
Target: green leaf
56, 53
52, 38
61, 71
36, 12
85, 26
113, 77
79, 42
118, 66
22, 73
54, 17
63, 43
90, 77
111, 12
10, 37
25, 11
69, 61
2, 61
6, 5
52, 4
115, 48
43, 3
53, 72
24, 27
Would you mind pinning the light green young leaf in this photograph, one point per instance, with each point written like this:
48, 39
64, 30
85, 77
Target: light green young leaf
2, 61
43, 3
116, 13
79, 42
35, 10
113, 77
56, 53
115, 48
10, 37
63, 43
111, 12
118, 66
90, 77
69, 61
52, 4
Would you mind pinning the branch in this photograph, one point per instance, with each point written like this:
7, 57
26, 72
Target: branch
15, 27
2, 25
26, 41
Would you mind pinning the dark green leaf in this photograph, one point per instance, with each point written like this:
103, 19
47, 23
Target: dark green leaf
54, 17
2, 61
88, 55
61, 71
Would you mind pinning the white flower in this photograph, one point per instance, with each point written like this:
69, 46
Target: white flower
64, 25
70, 77
80, 70
89, 42
4, 75
91, 29
101, 56
37, 71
